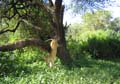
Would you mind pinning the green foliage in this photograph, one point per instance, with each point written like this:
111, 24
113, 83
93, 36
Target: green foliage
98, 44
104, 45
115, 24
28, 66
9, 64
19, 61
98, 35
42, 21
100, 19
32, 70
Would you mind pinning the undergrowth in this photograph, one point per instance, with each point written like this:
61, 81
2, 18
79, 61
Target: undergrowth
26, 66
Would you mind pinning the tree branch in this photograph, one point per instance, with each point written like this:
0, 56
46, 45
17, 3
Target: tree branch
30, 24
10, 30
45, 7
8, 17
50, 2
17, 25
24, 43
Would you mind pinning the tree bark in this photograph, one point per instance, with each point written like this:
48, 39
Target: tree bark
24, 43
63, 53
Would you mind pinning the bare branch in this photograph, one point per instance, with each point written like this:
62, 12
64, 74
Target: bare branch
66, 25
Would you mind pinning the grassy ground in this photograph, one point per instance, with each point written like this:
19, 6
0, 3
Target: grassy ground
90, 71
27, 68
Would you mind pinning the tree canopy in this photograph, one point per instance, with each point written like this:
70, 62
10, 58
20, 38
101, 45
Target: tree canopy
90, 5
99, 20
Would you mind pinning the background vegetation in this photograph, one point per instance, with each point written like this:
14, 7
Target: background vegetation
94, 48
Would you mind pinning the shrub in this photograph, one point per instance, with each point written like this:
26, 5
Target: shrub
15, 62
104, 45
8, 63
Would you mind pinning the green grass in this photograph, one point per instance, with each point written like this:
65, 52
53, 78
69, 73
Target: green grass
90, 71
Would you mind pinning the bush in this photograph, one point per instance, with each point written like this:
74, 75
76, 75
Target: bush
104, 48
104, 45
15, 62
97, 44
8, 63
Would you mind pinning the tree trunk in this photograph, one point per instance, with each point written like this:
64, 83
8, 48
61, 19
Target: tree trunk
63, 53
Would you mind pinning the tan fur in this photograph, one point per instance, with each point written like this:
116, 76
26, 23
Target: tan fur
51, 58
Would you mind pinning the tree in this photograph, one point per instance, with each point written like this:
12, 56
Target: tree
23, 11
91, 5
98, 20
115, 24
